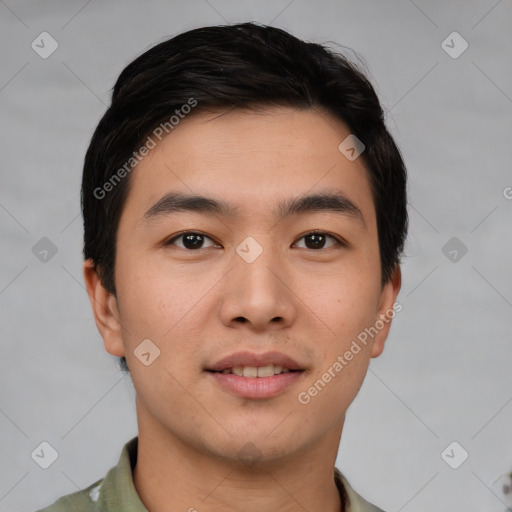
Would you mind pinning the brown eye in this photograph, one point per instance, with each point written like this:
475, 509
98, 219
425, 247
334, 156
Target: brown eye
190, 240
317, 240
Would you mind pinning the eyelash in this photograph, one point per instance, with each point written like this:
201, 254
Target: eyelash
338, 241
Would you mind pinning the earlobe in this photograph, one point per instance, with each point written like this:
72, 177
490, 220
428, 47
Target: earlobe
104, 307
386, 311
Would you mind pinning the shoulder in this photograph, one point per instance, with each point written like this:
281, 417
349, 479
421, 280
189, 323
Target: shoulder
366, 506
113, 492
80, 501
353, 500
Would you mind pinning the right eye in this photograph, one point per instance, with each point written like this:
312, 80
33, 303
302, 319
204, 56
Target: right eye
192, 240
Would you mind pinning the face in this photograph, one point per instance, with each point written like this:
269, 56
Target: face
257, 275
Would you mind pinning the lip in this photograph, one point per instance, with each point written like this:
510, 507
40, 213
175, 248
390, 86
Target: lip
252, 359
256, 387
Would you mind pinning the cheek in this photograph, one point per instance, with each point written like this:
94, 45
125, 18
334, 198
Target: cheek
152, 297
346, 302
350, 307
331, 390
164, 306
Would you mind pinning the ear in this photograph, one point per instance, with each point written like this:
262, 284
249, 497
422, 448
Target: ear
386, 311
104, 307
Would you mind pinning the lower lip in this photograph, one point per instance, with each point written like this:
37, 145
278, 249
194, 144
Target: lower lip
257, 387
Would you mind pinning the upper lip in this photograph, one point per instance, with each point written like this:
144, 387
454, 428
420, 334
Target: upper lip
253, 359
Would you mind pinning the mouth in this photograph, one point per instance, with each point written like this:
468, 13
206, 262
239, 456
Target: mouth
252, 364
251, 375
255, 371
256, 383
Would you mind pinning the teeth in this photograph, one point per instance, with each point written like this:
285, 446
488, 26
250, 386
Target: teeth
265, 371
250, 371
253, 371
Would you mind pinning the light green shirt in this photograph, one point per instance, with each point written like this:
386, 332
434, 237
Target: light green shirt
116, 491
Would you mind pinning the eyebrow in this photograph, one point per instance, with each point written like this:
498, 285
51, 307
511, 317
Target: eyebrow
176, 202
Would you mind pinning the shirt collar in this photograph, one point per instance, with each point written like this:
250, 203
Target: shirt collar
118, 490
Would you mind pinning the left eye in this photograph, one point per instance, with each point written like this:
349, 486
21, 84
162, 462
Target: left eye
194, 240
317, 240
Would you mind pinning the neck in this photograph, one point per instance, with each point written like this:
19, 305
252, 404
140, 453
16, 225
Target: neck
172, 474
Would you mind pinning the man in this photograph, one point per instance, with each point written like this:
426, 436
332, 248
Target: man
244, 215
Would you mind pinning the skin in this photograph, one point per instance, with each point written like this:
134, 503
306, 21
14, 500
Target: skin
199, 305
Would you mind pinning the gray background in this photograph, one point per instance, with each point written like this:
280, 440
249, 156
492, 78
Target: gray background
445, 374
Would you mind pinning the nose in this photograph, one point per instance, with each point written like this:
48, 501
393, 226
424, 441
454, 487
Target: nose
259, 294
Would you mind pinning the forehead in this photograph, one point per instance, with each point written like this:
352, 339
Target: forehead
250, 159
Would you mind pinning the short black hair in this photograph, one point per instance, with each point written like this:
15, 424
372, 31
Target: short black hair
245, 65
